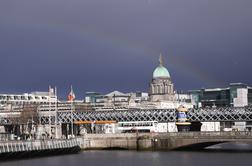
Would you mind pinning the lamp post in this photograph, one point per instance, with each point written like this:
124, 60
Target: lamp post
50, 123
71, 98
71, 118
56, 113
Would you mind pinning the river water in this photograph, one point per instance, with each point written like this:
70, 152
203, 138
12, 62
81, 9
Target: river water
135, 158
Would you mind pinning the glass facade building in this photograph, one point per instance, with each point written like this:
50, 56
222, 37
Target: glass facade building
236, 94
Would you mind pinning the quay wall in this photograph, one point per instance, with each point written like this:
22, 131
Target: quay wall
129, 141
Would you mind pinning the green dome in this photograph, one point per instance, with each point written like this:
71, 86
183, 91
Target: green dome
161, 71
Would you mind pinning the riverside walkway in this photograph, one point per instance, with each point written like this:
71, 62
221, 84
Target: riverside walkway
33, 148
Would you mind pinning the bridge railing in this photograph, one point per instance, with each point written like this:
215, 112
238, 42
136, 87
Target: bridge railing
117, 135
174, 134
209, 134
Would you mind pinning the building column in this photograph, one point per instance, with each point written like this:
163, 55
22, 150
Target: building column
151, 89
155, 89
161, 89
166, 88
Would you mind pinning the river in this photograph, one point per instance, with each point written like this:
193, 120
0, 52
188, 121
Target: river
135, 158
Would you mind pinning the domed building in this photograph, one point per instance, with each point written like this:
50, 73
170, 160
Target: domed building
161, 86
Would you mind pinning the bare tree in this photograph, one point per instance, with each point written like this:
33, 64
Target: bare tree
29, 117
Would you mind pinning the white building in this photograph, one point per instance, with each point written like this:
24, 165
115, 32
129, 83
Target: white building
27, 98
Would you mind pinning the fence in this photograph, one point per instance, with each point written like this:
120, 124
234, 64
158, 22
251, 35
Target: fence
37, 145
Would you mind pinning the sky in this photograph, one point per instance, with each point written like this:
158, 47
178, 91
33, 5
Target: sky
98, 45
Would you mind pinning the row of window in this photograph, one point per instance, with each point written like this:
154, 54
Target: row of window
23, 98
137, 124
24, 102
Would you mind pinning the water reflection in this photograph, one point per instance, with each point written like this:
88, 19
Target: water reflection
135, 158
232, 146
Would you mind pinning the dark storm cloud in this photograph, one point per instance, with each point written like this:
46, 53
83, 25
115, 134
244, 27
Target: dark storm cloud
114, 44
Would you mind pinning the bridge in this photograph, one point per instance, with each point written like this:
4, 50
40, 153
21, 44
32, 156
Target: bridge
198, 140
164, 141
65, 115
